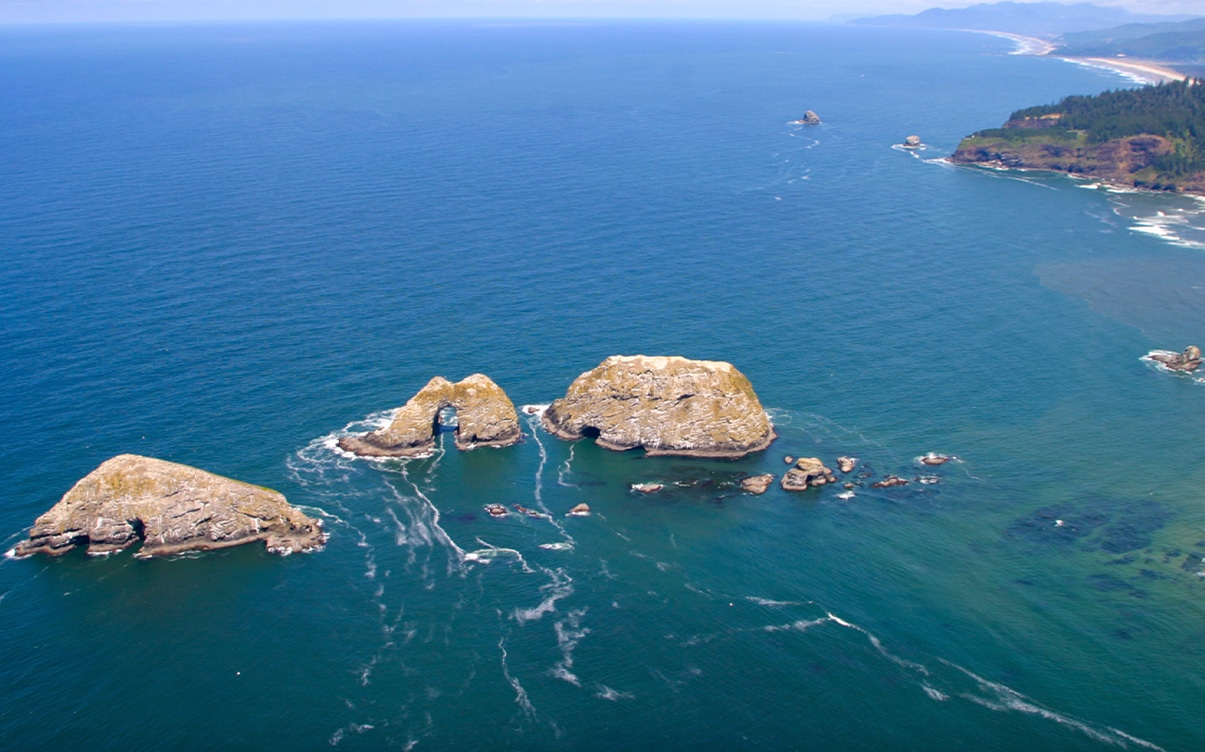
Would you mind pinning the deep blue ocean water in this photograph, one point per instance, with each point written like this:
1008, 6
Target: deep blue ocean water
225, 245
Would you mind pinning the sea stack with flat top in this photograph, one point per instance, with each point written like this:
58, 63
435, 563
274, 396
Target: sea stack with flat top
667, 405
485, 416
170, 508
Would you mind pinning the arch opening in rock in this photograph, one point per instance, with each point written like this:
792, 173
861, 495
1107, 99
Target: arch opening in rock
475, 409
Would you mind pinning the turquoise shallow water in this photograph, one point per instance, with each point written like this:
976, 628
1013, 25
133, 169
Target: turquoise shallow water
225, 245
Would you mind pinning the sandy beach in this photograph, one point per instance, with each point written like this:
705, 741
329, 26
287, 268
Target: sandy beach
1139, 71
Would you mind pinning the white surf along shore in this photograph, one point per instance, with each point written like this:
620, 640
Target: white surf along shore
1138, 71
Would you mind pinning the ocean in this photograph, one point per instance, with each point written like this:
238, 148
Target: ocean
227, 245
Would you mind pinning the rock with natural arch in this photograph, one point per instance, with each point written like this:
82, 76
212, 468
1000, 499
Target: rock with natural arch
666, 405
485, 417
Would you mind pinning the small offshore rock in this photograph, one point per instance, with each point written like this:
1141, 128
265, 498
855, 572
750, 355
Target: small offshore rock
496, 510
485, 416
933, 459
647, 488
809, 118
849, 486
1187, 361
581, 510
757, 484
171, 508
808, 472
912, 142
890, 482
847, 464
667, 405
789, 460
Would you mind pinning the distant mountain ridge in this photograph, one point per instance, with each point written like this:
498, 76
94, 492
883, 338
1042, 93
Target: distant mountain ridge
1041, 19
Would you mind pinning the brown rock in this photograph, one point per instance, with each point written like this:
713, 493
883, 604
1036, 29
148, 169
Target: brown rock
789, 460
667, 405
169, 508
485, 417
647, 488
496, 510
581, 510
890, 482
1187, 361
809, 118
847, 464
757, 484
808, 472
912, 142
933, 459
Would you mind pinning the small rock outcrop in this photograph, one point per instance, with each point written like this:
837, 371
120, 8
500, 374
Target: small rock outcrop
665, 405
1188, 361
757, 484
808, 472
170, 509
581, 510
485, 416
912, 142
647, 488
890, 481
809, 118
933, 459
847, 464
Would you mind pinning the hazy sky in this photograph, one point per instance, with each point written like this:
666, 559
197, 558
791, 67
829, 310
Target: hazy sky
167, 10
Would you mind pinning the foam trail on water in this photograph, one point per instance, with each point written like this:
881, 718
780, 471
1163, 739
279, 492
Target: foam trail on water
1008, 699
440, 534
520, 694
559, 587
565, 470
879, 646
606, 693
490, 552
538, 495
569, 632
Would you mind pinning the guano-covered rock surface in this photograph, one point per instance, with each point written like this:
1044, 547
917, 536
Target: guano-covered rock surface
665, 405
170, 508
485, 416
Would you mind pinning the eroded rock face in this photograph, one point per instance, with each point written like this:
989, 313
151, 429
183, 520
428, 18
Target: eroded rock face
808, 472
485, 417
170, 508
667, 405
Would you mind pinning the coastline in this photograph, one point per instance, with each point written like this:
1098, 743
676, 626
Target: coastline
1104, 183
1137, 70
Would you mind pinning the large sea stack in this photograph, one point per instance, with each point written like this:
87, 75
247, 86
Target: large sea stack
485, 416
667, 405
170, 508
